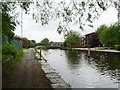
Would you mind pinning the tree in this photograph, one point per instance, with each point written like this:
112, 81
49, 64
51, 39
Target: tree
101, 33
51, 42
109, 36
8, 24
72, 38
45, 41
80, 12
115, 33
32, 43
9, 17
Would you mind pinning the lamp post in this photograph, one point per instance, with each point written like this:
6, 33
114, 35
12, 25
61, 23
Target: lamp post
119, 12
21, 26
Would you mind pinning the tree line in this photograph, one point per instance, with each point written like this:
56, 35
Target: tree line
77, 12
109, 35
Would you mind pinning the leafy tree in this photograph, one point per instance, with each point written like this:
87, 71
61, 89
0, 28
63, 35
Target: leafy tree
115, 33
45, 41
24, 38
8, 24
9, 16
51, 42
32, 42
109, 36
80, 12
101, 33
72, 38
101, 28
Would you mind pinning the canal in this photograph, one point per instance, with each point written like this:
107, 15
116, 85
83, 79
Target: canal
101, 70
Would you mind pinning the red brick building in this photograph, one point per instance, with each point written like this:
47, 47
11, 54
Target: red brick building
25, 43
92, 40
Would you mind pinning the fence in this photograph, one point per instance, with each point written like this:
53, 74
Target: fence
7, 39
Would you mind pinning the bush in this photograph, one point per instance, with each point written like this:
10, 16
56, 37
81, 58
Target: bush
117, 47
6, 69
9, 49
19, 55
5, 57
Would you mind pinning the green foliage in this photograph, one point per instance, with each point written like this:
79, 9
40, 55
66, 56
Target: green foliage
51, 42
8, 23
19, 54
6, 70
45, 41
117, 47
62, 44
109, 36
44, 48
101, 28
73, 38
77, 12
9, 49
32, 42
9, 16
74, 12
42, 57
5, 57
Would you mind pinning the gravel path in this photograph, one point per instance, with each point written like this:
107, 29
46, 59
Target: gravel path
27, 74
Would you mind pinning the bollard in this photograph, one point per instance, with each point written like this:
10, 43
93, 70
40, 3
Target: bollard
88, 52
40, 54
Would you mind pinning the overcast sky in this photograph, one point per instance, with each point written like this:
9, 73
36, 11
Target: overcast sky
34, 31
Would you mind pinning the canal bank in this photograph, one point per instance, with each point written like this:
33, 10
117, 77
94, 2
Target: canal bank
52, 75
93, 50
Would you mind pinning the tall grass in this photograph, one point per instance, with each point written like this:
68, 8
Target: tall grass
9, 50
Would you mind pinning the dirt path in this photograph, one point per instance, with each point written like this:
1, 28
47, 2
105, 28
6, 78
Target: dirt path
27, 74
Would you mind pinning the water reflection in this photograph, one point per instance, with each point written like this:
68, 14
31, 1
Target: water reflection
73, 58
107, 63
100, 70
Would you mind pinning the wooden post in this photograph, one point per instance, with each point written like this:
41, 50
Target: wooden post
40, 54
88, 52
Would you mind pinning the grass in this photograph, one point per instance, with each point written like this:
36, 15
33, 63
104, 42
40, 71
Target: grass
36, 52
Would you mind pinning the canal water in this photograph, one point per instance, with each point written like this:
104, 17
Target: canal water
101, 70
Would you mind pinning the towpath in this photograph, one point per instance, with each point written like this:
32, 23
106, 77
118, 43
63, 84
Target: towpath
27, 74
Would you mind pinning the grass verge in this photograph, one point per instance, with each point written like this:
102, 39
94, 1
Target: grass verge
6, 69
36, 52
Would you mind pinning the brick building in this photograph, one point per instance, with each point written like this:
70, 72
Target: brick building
25, 43
92, 40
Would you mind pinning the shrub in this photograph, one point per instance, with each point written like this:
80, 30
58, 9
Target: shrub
5, 57
19, 54
9, 49
6, 69
117, 47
